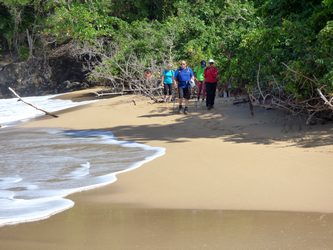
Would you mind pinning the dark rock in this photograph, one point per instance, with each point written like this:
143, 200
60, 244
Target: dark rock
38, 77
26, 78
71, 86
66, 68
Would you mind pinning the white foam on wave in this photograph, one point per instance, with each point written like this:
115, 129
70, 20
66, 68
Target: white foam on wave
41, 204
13, 111
19, 211
80, 172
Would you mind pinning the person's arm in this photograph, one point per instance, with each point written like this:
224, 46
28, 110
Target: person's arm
216, 73
191, 74
175, 78
205, 75
195, 72
162, 79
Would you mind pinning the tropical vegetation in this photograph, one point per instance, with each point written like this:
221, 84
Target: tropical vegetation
281, 50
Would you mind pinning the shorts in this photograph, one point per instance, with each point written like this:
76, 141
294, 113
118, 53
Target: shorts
167, 89
184, 93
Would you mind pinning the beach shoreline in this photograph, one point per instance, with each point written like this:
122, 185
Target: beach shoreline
250, 178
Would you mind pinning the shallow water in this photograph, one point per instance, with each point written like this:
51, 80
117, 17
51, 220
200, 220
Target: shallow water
39, 167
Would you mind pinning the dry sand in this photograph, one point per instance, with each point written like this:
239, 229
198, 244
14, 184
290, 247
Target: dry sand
227, 181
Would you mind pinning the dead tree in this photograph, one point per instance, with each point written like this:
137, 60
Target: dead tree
275, 96
130, 76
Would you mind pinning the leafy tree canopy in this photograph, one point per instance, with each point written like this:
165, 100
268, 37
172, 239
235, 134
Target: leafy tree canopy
240, 35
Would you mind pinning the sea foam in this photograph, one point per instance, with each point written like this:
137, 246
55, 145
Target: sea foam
13, 111
40, 167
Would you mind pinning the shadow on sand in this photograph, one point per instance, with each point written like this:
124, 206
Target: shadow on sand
232, 123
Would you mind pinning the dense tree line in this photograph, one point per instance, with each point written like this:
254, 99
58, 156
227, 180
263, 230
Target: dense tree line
281, 49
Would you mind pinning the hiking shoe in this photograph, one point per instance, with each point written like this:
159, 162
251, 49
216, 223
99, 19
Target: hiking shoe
180, 110
185, 110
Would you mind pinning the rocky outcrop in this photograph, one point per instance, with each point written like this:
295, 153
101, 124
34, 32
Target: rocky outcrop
38, 77
27, 78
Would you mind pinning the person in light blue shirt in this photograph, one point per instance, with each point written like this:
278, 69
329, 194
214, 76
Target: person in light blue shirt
168, 80
184, 75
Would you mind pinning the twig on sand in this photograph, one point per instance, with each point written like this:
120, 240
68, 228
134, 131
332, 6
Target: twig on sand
20, 99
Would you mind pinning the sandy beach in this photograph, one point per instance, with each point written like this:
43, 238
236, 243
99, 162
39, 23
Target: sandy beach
227, 181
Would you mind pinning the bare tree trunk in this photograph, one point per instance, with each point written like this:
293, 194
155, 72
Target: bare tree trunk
17, 20
30, 43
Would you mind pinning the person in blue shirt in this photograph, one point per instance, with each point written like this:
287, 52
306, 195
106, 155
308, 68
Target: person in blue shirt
167, 81
183, 76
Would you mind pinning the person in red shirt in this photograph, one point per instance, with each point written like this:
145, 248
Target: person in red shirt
211, 73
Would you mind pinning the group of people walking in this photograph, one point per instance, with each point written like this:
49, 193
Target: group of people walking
184, 78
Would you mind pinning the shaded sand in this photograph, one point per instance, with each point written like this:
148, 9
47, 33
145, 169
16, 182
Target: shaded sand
227, 181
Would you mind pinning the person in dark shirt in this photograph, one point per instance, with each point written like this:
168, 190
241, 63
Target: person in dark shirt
183, 76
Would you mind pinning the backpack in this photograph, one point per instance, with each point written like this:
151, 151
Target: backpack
178, 71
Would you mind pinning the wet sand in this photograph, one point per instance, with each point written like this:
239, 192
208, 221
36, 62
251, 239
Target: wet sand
227, 181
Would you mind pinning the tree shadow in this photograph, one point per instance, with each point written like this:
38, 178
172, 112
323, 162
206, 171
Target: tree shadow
232, 123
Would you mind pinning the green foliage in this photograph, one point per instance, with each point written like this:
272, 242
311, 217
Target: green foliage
5, 23
23, 53
18, 16
325, 54
133, 10
15, 3
239, 35
82, 22
328, 3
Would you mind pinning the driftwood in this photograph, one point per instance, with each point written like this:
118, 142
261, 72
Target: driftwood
20, 99
108, 94
327, 102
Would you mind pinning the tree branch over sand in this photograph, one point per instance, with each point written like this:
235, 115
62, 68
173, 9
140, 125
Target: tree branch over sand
20, 99
317, 105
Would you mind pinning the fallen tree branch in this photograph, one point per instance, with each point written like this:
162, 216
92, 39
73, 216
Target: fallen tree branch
298, 73
315, 104
259, 88
308, 121
20, 99
325, 99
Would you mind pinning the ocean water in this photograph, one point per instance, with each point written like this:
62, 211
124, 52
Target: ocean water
40, 167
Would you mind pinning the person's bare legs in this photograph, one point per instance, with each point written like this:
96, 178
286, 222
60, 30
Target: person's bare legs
199, 90
186, 106
180, 101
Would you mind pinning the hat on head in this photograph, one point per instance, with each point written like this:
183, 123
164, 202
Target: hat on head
211, 61
203, 62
